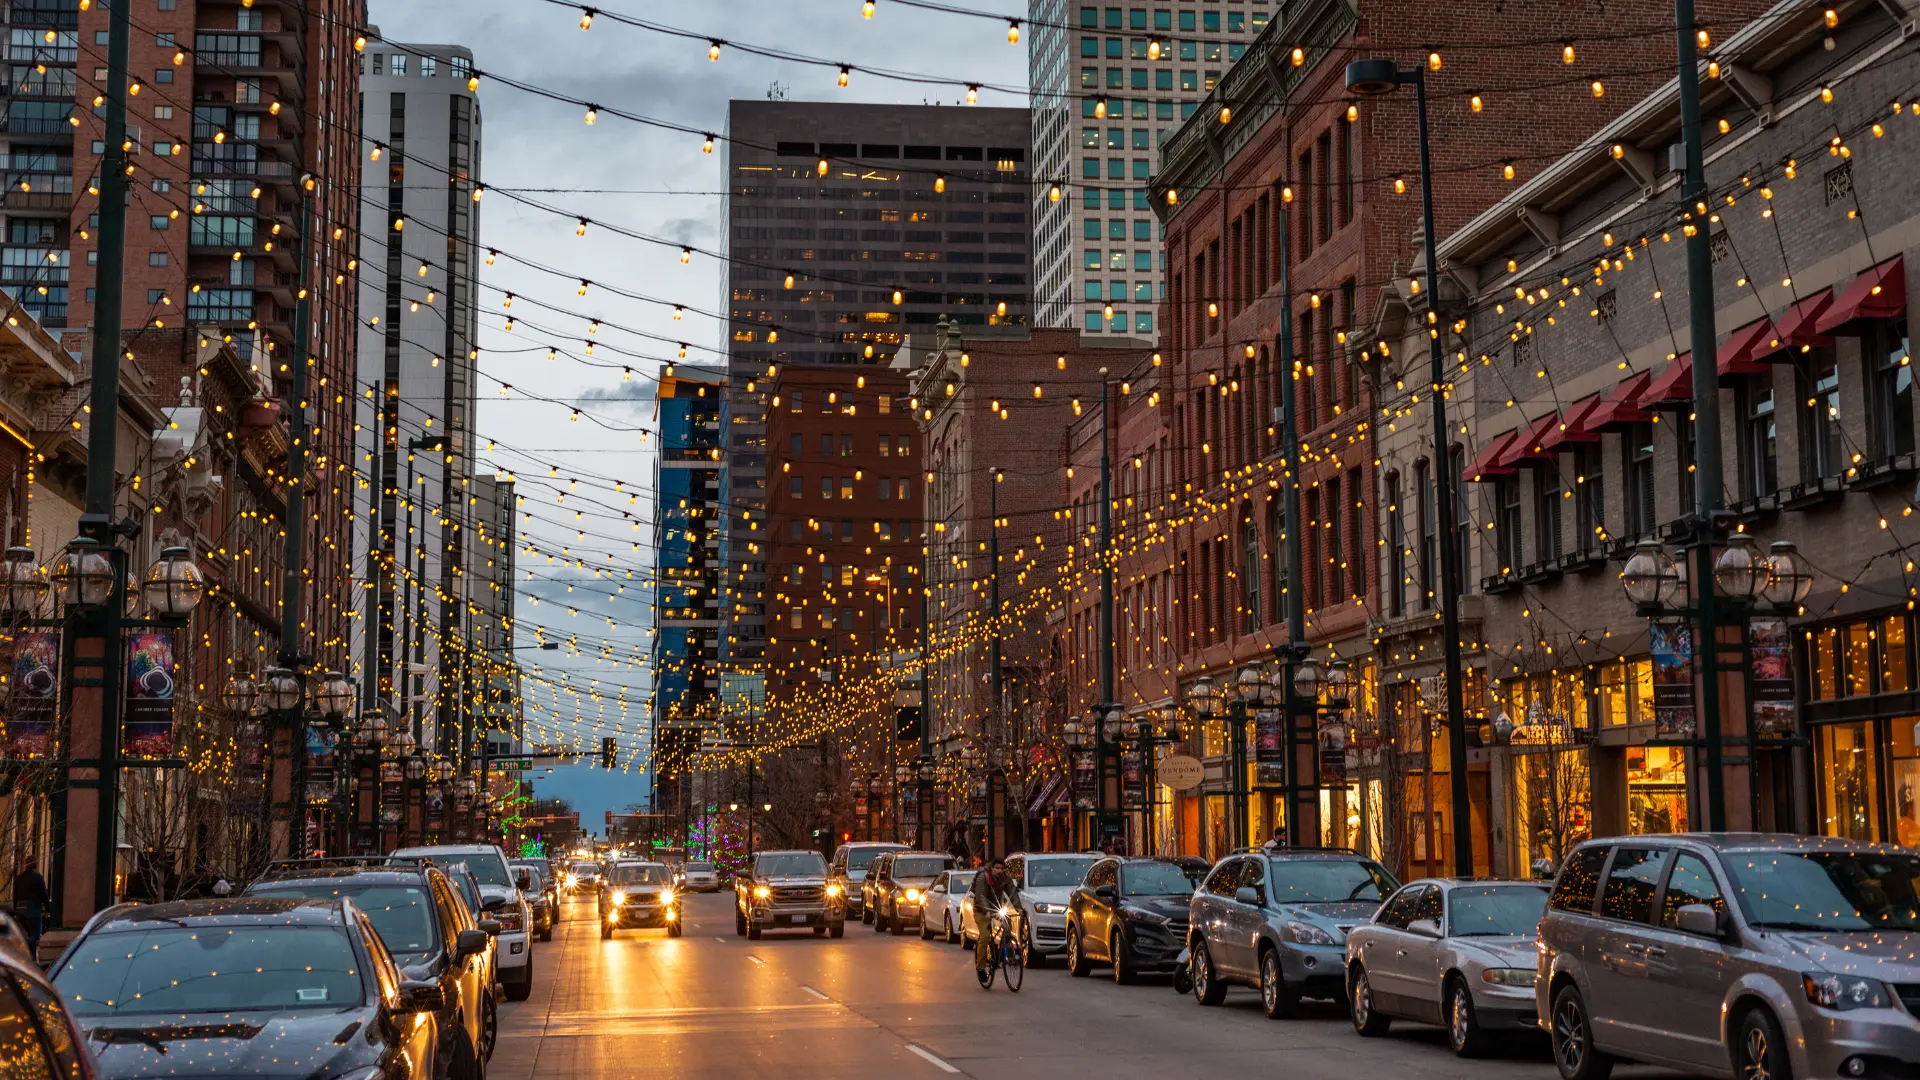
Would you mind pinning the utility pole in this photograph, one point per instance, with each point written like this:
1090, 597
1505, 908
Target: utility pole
1706, 412
288, 785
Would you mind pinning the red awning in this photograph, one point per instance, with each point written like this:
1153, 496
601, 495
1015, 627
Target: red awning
1483, 466
1673, 386
1795, 330
1739, 353
1525, 445
1573, 428
1622, 407
1880, 293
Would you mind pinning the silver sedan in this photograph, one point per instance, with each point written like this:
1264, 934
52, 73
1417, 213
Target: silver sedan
1450, 952
940, 912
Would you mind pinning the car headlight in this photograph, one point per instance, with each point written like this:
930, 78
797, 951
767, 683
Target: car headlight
1146, 918
1846, 992
570, 881
1049, 909
761, 892
1308, 934
1006, 913
617, 897
913, 896
833, 890
1510, 976
666, 896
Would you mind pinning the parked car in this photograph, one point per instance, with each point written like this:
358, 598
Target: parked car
1194, 866
788, 889
702, 877
1751, 955
539, 900
940, 911
488, 864
900, 882
426, 928
548, 883
40, 1036
1459, 953
1278, 922
248, 987
848, 872
1047, 881
1130, 914
584, 877
639, 894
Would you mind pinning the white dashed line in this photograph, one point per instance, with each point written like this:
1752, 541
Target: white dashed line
755, 959
721, 940
814, 992
931, 1058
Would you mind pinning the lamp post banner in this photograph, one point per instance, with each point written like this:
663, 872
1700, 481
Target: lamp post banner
322, 742
1269, 747
148, 728
1772, 673
1133, 780
36, 695
1672, 647
1085, 781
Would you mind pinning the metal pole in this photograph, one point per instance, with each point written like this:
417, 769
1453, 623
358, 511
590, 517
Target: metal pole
103, 432
1295, 539
294, 551
1706, 409
1443, 482
993, 603
1107, 692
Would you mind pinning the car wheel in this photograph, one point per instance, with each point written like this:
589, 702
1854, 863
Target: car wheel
926, 932
1367, 1020
1207, 987
739, 923
606, 930
879, 923
1117, 952
467, 1065
1077, 964
546, 932
1277, 999
1762, 1051
1031, 957
866, 913
838, 929
674, 929
489, 1027
522, 990
819, 931
1572, 1033
946, 926
753, 930
1463, 1027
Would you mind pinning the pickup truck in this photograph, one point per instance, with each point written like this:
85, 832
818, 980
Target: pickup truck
788, 889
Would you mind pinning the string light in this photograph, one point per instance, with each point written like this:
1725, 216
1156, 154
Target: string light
845, 72
1013, 31
713, 49
586, 18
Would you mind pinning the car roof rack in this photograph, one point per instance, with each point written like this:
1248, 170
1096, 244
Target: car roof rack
1308, 849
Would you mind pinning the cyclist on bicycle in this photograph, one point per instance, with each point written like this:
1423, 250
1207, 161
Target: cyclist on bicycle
992, 890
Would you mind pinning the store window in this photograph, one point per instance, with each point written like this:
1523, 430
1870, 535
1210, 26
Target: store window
1656, 790
1904, 779
1849, 780
1626, 692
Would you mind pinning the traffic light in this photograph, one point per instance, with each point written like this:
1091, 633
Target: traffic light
606, 754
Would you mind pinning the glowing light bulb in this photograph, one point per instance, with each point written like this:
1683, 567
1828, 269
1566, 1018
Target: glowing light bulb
1566, 53
1506, 171
1153, 50
1013, 31
1226, 114
897, 297
713, 50
845, 72
1433, 61
221, 136
1299, 56
593, 113
586, 19
866, 10
1353, 114
580, 229
1053, 193
1100, 108
686, 255
1476, 103
1399, 185
706, 146
1598, 90
821, 168
973, 93
789, 281
939, 183
1173, 197
1703, 39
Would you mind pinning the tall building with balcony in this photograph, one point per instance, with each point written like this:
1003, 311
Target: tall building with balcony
884, 218
42, 51
420, 131
1108, 84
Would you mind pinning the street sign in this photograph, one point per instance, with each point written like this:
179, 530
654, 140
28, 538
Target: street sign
1181, 773
513, 764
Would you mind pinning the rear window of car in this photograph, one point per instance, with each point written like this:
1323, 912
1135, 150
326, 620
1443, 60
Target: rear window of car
1579, 881
920, 866
699, 868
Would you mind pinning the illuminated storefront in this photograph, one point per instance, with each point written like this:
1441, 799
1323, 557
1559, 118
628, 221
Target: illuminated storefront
1861, 716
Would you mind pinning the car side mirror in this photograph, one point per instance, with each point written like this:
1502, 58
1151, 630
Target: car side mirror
1104, 892
470, 943
1246, 894
523, 881
422, 997
1699, 919
490, 927
1424, 927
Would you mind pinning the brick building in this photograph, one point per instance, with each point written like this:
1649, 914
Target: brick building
1580, 438
1280, 138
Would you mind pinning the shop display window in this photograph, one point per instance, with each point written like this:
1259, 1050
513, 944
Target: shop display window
1656, 789
1849, 780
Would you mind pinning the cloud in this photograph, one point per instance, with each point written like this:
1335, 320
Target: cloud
637, 396
686, 230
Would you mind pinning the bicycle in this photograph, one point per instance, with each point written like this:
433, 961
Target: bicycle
1003, 954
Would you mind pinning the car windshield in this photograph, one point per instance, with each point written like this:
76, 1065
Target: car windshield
1827, 891
197, 969
639, 874
1057, 873
1496, 910
858, 858
1154, 879
488, 870
923, 866
699, 868
403, 914
794, 864
1329, 881
585, 868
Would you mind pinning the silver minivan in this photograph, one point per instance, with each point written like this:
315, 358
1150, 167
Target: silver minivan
1745, 955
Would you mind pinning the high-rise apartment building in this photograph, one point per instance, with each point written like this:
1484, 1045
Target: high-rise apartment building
847, 227
1105, 93
420, 131
238, 100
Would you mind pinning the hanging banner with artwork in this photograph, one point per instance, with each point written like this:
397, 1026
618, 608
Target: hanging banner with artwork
36, 694
1774, 712
322, 742
1672, 647
393, 801
1133, 780
1333, 753
436, 802
148, 729
1085, 780
1269, 747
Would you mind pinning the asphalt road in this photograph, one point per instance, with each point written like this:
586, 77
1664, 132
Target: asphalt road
712, 1005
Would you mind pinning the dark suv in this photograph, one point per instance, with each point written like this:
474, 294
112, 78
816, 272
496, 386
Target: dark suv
428, 931
1278, 921
1130, 913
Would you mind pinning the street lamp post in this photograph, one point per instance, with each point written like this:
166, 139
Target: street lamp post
1374, 78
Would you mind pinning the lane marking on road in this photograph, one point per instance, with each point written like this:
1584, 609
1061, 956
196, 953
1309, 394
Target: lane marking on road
755, 959
721, 940
931, 1058
814, 992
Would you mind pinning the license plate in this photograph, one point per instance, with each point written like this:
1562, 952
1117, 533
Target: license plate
799, 919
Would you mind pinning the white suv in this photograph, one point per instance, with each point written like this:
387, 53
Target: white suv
503, 902
1047, 881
